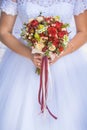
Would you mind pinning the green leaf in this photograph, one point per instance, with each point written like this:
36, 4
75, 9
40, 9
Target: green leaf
47, 53
29, 44
65, 25
38, 71
49, 44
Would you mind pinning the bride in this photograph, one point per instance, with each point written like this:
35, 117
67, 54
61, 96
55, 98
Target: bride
19, 84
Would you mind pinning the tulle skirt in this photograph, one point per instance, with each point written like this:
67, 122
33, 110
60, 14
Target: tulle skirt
19, 86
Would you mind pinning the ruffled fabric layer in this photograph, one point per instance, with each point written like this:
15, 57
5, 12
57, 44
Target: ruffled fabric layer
19, 86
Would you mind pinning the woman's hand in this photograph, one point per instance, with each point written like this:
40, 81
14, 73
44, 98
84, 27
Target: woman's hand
55, 58
52, 61
36, 59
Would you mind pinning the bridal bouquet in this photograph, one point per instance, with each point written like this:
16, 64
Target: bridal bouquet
47, 36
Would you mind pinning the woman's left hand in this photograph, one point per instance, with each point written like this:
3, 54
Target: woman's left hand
53, 60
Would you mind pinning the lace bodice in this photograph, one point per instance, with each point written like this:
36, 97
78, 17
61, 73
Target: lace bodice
26, 9
49, 7
85, 3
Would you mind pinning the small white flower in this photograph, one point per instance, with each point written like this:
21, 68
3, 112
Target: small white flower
63, 29
65, 40
29, 37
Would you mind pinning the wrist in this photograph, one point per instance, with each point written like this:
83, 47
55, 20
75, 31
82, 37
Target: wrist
70, 48
29, 54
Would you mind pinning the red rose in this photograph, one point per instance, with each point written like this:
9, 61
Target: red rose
62, 33
52, 31
61, 48
45, 48
58, 25
34, 23
48, 19
42, 34
51, 39
33, 40
65, 32
56, 42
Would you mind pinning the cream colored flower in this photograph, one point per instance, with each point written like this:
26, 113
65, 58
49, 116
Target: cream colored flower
39, 46
40, 19
63, 29
52, 48
65, 40
57, 18
42, 40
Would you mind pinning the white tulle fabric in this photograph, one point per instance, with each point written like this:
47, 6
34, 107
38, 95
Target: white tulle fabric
19, 85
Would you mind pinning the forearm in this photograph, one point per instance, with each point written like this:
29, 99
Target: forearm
75, 43
14, 44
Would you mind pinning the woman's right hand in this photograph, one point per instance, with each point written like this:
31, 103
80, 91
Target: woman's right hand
36, 59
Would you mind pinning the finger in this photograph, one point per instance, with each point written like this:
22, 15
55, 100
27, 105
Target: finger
38, 56
37, 61
38, 65
53, 61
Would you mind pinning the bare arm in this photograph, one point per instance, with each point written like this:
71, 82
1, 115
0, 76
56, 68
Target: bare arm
79, 39
6, 27
86, 17
81, 36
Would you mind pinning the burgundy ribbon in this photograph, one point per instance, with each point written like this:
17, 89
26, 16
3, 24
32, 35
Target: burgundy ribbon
43, 90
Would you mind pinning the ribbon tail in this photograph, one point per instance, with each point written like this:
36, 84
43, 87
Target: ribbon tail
40, 88
43, 90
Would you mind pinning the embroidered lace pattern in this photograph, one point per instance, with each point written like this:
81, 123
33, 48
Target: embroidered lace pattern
10, 6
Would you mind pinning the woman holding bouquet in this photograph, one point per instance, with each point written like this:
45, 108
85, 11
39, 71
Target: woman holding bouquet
19, 84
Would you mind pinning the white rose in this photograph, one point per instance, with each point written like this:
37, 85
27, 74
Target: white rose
52, 48
39, 46
40, 19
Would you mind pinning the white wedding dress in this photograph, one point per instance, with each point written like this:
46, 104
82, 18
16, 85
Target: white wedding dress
19, 84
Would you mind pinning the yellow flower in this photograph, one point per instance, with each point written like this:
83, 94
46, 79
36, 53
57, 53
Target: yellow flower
40, 26
36, 36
